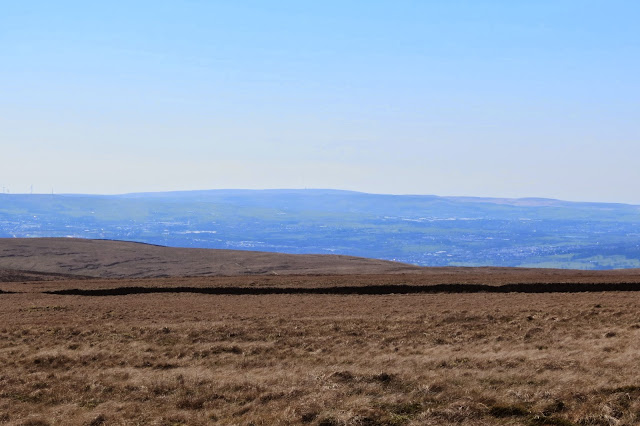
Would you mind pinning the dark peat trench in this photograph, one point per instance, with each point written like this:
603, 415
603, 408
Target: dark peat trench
363, 290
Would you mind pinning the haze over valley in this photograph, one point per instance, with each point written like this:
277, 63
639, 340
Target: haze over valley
421, 230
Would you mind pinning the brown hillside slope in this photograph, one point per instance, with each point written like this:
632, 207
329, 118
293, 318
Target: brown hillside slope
54, 259
119, 259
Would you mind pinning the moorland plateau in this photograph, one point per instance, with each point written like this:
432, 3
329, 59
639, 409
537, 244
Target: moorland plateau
77, 350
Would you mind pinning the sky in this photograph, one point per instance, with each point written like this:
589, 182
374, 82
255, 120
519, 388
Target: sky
506, 98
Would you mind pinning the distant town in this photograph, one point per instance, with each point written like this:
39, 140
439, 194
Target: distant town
421, 230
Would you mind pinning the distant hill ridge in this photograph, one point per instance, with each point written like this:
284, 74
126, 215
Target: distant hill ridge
425, 230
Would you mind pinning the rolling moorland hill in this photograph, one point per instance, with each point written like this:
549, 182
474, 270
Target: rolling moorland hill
420, 230
53, 261
54, 258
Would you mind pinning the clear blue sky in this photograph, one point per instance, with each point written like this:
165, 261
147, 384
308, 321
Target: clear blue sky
486, 98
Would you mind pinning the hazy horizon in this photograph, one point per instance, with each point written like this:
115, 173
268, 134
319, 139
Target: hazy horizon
451, 196
484, 99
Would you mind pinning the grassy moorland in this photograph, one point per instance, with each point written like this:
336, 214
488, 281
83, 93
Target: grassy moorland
397, 359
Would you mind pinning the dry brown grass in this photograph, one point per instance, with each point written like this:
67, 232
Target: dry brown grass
171, 359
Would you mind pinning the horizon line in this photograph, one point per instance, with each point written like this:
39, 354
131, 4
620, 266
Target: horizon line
465, 197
